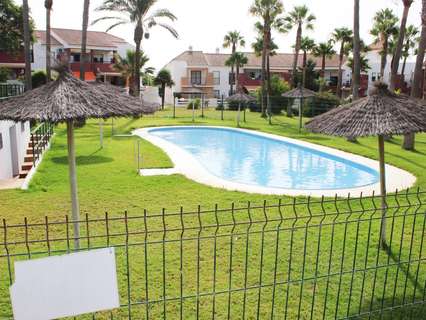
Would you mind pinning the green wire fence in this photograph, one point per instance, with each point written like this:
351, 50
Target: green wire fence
287, 259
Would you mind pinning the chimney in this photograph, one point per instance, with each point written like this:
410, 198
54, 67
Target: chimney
190, 49
217, 50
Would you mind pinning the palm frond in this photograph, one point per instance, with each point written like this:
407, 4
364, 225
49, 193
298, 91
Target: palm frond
169, 28
162, 13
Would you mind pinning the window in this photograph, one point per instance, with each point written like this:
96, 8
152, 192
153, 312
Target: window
216, 78
333, 81
76, 57
196, 77
254, 74
1, 141
217, 94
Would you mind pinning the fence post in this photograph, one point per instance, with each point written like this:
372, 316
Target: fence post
174, 106
222, 109
202, 105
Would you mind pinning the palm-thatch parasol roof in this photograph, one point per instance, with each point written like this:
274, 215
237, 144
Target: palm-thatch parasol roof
65, 100
298, 93
241, 97
381, 113
69, 98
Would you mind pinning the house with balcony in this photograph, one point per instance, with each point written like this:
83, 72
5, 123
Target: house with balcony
66, 46
207, 73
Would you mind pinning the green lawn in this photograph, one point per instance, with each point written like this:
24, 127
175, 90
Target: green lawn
107, 181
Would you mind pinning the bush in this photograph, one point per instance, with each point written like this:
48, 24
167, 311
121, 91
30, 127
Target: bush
4, 74
321, 103
38, 79
194, 104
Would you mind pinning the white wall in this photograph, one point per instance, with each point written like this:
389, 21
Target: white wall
22, 137
223, 87
150, 95
40, 56
178, 71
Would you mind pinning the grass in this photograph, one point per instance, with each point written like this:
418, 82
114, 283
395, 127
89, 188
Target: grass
108, 181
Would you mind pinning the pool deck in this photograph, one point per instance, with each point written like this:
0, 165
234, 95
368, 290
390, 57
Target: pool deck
187, 165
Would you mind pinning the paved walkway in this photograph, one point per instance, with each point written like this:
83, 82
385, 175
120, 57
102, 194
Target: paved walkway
14, 183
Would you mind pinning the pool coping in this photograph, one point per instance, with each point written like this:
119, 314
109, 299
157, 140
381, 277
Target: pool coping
187, 165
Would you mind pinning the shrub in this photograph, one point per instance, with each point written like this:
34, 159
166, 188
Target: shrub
321, 103
194, 104
4, 74
38, 79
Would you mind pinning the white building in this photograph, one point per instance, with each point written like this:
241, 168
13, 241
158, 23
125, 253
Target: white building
14, 141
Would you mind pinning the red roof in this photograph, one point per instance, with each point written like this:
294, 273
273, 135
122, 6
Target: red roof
88, 75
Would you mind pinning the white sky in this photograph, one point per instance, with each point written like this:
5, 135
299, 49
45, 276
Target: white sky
203, 23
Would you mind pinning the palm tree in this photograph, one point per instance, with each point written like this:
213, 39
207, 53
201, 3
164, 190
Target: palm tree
84, 39
233, 39
325, 51
126, 66
48, 5
399, 47
238, 59
163, 79
137, 12
411, 37
417, 88
307, 45
364, 64
269, 12
384, 27
342, 36
356, 75
298, 18
27, 44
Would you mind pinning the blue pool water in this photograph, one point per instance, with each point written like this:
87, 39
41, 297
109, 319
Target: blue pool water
247, 158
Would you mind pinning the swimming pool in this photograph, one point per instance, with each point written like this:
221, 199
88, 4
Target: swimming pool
256, 162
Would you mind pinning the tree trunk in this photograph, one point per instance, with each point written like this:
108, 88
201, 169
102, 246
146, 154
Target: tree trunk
84, 40
48, 5
136, 73
305, 57
268, 76
163, 95
296, 54
417, 89
264, 55
27, 45
356, 74
398, 50
384, 58
322, 84
404, 63
339, 75
234, 49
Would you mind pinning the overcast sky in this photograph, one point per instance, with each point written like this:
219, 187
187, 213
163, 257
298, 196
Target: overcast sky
203, 23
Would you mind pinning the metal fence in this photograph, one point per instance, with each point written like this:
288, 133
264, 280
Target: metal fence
10, 90
294, 259
39, 140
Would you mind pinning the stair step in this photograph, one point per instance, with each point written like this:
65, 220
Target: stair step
23, 174
27, 166
29, 158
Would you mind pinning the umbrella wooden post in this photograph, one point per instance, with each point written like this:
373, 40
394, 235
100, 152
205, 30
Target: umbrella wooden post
382, 191
300, 114
73, 183
238, 115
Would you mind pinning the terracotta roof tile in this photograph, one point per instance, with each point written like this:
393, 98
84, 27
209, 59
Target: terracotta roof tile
41, 37
278, 61
73, 37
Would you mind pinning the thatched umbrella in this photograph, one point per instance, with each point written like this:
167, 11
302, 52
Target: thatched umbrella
380, 114
299, 93
240, 98
66, 100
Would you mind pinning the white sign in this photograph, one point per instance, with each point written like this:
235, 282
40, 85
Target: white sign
63, 286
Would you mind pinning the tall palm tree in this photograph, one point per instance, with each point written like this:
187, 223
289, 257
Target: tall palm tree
385, 25
27, 44
411, 37
48, 5
163, 79
84, 39
343, 36
325, 51
307, 45
137, 12
356, 75
126, 65
298, 18
417, 88
399, 47
233, 39
269, 12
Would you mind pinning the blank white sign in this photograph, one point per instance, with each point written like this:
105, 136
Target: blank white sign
62, 286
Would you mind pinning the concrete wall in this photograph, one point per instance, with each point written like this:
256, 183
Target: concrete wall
22, 138
178, 71
150, 94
